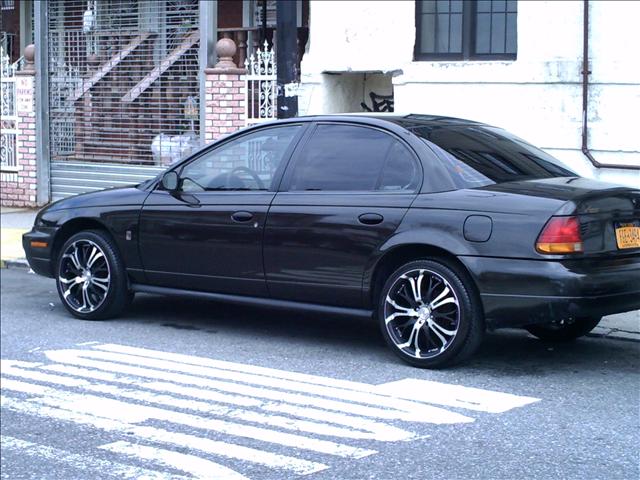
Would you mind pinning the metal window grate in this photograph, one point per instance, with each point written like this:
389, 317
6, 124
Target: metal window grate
271, 13
123, 80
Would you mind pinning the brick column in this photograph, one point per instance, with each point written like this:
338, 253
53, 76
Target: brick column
225, 94
18, 189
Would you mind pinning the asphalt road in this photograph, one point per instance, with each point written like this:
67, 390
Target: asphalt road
179, 387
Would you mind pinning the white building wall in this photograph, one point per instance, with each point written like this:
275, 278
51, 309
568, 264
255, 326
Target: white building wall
538, 96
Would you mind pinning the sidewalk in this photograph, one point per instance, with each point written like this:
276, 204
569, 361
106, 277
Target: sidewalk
16, 221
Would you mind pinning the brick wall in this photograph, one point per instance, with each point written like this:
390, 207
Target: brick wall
18, 189
225, 102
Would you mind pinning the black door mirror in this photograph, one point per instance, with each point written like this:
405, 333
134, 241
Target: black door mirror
170, 181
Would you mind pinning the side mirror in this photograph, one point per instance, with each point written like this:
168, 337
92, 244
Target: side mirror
170, 181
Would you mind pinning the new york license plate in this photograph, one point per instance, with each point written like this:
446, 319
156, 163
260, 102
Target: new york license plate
628, 234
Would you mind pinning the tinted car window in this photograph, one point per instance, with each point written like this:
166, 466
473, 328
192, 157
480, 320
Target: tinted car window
353, 158
479, 155
400, 172
247, 163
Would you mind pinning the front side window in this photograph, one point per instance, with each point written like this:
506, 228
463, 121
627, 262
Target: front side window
466, 30
353, 158
247, 163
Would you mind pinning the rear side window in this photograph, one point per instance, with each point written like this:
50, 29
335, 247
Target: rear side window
353, 158
478, 155
401, 171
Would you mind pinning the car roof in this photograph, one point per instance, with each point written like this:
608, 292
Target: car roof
408, 121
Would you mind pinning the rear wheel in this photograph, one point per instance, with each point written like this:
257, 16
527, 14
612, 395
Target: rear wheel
565, 330
91, 277
429, 314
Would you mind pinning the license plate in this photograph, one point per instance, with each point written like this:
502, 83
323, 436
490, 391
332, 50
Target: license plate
628, 234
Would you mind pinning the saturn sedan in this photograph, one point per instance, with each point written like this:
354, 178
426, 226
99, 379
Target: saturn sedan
438, 228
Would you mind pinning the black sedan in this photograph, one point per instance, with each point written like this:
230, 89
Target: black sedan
440, 228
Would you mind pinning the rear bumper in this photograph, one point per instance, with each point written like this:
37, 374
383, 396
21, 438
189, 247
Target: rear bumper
39, 258
523, 292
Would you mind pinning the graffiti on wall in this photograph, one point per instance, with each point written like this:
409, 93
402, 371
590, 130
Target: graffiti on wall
379, 103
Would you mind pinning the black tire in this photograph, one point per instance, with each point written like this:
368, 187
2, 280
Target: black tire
89, 264
466, 322
566, 331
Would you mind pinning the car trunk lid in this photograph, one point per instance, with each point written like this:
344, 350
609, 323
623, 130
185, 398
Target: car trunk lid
609, 215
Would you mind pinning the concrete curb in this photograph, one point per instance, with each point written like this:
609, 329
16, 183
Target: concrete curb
613, 333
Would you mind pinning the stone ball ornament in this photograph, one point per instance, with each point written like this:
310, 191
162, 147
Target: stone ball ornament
225, 50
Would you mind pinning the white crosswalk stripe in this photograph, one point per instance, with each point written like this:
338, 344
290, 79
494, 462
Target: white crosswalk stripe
196, 466
108, 408
226, 412
159, 435
92, 465
368, 404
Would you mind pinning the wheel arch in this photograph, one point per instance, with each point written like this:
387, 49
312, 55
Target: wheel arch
397, 256
70, 228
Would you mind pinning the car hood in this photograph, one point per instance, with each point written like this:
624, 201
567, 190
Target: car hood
119, 196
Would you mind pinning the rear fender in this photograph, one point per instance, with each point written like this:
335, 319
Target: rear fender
452, 242
431, 241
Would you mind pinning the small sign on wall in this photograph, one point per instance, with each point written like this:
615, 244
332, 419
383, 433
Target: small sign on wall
24, 94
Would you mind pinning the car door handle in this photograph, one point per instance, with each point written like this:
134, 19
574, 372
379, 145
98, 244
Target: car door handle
242, 216
370, 218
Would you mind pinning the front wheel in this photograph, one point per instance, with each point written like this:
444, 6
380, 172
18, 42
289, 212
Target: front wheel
91, 277
429, 314
564, 331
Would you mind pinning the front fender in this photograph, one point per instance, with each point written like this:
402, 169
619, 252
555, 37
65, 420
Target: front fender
121, 222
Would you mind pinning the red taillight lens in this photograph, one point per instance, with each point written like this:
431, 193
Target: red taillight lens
560, 235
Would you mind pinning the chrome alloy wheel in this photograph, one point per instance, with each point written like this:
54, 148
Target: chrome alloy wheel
84, 276
422, 313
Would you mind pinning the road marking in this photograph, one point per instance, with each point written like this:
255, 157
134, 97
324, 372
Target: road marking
96, 466
354, 402
152, 434
133, 413
210, 405
429, 392
196, 466
455, 395
328, 422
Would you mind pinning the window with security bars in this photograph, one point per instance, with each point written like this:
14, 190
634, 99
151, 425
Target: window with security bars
466, 29
123, 80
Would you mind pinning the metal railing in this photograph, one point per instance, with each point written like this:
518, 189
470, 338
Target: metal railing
261, 86
8, 114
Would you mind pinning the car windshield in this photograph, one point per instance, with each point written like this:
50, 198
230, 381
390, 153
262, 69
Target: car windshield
476, 155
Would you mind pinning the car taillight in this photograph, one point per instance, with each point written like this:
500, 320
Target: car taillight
560, 235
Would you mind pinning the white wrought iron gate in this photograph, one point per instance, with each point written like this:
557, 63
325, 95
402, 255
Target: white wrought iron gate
123, 90
261, 86
8, 118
